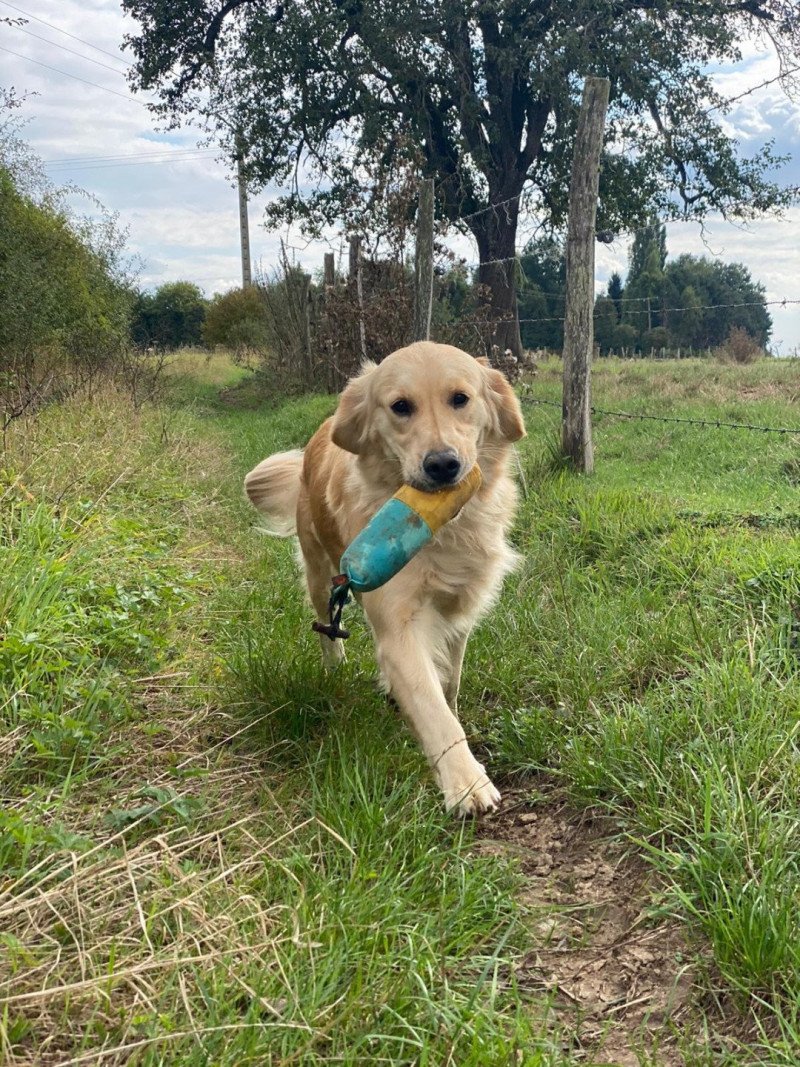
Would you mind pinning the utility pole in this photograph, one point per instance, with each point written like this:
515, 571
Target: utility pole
244, 223
423, 263
576, 424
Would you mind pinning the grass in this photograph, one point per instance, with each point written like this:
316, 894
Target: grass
210, 852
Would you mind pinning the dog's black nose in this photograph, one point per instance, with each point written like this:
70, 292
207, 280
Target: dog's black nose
443, 468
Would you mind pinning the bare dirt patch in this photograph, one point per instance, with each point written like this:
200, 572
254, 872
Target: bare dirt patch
622, 983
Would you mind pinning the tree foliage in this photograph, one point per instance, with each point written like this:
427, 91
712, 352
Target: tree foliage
541, 293
172, 317
237, 320
332, 97
688, 302
691, 301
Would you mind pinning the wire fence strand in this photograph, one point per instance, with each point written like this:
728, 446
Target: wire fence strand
708, 424
785, 302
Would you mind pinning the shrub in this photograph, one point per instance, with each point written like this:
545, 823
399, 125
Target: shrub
657, 338
238, 320
739, 347
624, 337
65, 305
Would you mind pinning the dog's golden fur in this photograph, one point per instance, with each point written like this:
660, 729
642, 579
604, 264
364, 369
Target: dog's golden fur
421, 619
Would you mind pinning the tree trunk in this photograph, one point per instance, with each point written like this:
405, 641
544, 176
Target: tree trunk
495, 231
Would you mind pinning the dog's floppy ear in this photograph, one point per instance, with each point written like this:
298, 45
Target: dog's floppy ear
504, 405
350, 421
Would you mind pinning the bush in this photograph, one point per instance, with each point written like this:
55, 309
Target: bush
739, 347
624, 337
314, 339
657, 338
65, 308
237, 320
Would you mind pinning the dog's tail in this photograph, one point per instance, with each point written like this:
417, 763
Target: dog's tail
273, 487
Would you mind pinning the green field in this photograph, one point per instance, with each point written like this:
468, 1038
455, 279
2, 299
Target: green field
213, 853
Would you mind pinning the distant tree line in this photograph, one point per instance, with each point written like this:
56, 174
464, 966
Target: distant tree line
688, 302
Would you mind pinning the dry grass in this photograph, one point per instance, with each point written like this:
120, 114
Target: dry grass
107, 935
693, 380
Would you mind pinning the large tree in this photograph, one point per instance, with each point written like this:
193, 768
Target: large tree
328, 97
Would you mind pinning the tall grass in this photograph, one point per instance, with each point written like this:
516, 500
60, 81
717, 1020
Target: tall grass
193, 862
211, 852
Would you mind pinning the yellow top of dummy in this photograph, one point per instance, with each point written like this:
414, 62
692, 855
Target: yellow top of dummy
442, 506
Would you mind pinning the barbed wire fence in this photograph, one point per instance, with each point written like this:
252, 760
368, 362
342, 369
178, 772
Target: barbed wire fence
422, 288
707, 423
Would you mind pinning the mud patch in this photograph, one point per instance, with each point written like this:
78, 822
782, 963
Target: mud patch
620, 981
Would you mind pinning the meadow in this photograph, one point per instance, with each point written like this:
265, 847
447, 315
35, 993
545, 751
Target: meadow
212, 852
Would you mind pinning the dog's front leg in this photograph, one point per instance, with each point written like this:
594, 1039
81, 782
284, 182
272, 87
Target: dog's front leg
451, 676
408, 668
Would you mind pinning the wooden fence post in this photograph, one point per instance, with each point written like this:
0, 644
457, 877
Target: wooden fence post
354, 270
329, 271
576, 425
423, 263
327, 345
310, 330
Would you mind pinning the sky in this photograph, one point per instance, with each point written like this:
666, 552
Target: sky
178, 202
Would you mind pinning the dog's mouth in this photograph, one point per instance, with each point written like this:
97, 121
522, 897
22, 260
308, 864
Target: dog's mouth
425, 485
429, 485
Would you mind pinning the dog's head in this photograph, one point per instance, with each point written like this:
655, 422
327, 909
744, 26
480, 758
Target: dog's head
432, 411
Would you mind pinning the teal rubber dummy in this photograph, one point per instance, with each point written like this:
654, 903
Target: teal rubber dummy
396, 533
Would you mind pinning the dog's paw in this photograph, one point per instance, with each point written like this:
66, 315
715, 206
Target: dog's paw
471, 793
332, 652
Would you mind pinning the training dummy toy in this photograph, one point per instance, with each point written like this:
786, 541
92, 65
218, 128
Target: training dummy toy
392, 537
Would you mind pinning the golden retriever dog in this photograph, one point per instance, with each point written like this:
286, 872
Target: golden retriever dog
422, 417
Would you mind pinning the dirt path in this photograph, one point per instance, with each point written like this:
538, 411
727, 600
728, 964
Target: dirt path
621, 981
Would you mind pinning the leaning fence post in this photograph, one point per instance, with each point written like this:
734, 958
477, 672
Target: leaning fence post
423, 263
576, 426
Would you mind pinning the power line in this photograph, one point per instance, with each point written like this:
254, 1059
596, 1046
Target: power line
75, 77
63, 47
142, 163
68, 160
173, 158
66, 33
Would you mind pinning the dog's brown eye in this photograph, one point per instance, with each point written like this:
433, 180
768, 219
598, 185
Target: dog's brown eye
402, 407
459, 400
